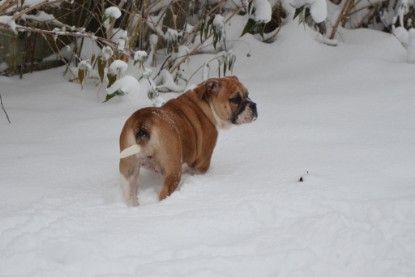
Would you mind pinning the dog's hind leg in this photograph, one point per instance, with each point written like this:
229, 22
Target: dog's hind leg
171, 165
130, 170
171, 181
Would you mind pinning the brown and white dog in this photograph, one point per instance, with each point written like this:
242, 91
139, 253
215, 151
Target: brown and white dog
183, 131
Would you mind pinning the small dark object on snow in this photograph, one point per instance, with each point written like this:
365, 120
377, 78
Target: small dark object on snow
302, 178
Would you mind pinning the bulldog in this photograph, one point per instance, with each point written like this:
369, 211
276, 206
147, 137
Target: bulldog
181, 132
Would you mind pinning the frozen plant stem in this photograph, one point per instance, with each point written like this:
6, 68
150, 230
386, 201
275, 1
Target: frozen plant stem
4, 110
342, 16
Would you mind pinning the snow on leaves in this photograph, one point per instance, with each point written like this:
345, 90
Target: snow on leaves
260, 13
110, 15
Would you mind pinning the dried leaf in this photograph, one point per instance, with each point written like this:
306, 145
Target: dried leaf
111, 79
101, 68
81, 76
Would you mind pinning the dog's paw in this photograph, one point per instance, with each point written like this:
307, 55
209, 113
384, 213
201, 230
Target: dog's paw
132, 202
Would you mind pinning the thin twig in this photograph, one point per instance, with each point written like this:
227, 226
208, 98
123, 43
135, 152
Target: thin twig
200, 45
384, 24
4, 110
341, 17
19, 14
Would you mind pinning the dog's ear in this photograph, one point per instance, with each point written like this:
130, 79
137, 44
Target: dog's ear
209, 88
234, 77
212, 86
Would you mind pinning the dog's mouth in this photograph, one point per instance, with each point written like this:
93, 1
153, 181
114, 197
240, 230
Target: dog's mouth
246, 114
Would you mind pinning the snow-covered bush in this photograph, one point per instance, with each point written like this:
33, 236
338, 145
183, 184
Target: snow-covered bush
167, 34
383, 15
84, 69
260, 12
311, 12
100, 39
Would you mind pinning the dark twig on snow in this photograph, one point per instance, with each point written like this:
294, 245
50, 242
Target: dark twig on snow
4, 110
302, 178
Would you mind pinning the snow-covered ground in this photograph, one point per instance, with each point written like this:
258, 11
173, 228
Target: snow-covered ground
342, 118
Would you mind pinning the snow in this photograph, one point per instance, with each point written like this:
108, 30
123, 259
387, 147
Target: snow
140, 56
41, 16
402, 35
411, 46
118, 67
85, 64
153, 39
171, 35
31, 3
318, 8
106, 53
128, 85
263, 11
218, 22
113, 12
8, 20
403, 9
343, 114
120, 37
3, 66
166, 83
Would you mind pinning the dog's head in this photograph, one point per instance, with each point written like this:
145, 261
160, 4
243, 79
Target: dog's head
228, 98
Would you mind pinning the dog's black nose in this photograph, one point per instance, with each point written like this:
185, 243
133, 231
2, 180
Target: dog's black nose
252, 105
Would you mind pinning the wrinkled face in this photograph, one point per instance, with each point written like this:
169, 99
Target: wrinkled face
229, 102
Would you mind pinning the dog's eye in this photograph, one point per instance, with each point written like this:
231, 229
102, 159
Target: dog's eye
236, 100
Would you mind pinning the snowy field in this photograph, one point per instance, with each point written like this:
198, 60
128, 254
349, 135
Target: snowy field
343, 118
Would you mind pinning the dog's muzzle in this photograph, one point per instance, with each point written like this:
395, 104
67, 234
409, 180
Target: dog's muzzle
245, 114
252, 105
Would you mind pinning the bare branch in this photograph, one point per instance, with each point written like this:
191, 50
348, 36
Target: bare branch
34, 7
4, 110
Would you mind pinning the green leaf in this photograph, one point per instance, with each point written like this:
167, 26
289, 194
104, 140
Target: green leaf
260, 29
225, 66
206, 30
101, 68
215, 41
152, 93
108, 97
201, 31
248, 27
81, 76
254, 27
93, 56
111, 79
217, 37
250, 7
298, 11
232, 63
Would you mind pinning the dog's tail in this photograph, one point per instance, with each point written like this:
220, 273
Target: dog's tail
130, 150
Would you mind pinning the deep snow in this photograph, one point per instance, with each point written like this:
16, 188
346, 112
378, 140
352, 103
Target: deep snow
343, 114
